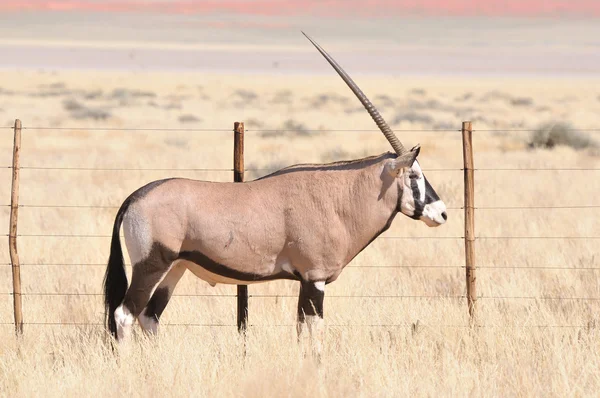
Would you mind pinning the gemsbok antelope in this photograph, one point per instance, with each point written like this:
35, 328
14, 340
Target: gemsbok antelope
305, 222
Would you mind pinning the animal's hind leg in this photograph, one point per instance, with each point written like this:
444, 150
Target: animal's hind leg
146, 276
310, 313
149, 318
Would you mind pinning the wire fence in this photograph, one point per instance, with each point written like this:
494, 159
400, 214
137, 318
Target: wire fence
277, 130
514, 268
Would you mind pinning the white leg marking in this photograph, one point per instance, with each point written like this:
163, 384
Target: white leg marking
124, 320
320, 285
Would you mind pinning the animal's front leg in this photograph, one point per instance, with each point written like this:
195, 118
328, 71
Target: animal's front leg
310, 313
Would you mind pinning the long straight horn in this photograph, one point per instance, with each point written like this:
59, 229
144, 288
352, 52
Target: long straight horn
383, 126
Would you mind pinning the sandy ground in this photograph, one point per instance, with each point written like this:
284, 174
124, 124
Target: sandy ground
425, 348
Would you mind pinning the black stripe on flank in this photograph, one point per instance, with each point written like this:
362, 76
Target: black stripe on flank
222, 270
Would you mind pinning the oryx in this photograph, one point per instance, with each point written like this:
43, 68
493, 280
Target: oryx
305, 222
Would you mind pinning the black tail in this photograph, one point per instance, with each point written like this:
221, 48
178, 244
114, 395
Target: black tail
115, 278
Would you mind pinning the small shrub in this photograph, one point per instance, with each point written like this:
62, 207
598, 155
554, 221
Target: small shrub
413, 117
120, 93
253, 123
418, 91
521, 101
290, 127
6, 92
173, 105
188, 118
54, 86
321, 100
384, 101
91, 113
246, 95
283, 97
92, 95
79, 111
464, 97
553, 134
334, 155
72, 104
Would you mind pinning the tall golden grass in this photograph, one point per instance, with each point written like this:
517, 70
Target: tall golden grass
525, 343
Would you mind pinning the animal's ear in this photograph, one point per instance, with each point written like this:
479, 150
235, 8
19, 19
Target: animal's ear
405, 160
417, 149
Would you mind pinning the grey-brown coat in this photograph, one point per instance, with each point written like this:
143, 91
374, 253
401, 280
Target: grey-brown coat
305, 222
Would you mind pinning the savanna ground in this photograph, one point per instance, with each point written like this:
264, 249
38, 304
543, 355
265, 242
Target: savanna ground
416, 345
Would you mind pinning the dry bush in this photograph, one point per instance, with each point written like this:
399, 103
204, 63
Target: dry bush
189, 118
289, 128
550, 135
79, 111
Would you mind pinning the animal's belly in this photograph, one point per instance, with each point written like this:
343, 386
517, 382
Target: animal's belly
211, 277
224, 275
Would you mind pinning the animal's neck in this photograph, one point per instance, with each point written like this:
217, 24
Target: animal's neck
373, 209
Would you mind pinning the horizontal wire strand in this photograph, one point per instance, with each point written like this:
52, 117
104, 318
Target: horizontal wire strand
419, 326
275, 130
41, 206
530, 130
538, 169
76, 206
449, 169
110, 236
68, 168
453, 267
379, 238
121, 169
360, 296
51, 294
247, 130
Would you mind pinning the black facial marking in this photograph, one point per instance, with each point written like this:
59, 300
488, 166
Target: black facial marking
220, 269
430, 195
310, 301
419, 206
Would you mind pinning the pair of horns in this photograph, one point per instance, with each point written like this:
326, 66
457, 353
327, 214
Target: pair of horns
383, 126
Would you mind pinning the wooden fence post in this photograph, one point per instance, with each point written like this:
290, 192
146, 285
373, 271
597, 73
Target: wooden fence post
238, 176
467, 135
12, 235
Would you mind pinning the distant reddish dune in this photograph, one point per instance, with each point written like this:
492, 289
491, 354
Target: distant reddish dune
333, 8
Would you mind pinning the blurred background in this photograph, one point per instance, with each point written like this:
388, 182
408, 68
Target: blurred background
451, 37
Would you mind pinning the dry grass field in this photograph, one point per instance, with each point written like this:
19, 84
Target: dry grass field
525, 342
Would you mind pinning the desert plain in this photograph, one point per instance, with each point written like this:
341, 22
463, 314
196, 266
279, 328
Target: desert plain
92, 137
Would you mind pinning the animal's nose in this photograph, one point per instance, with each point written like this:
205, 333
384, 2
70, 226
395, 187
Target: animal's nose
444, 216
